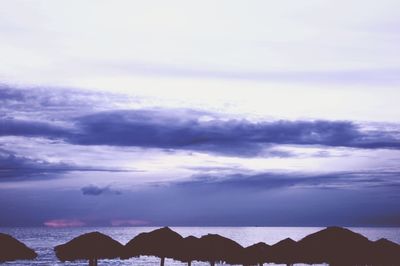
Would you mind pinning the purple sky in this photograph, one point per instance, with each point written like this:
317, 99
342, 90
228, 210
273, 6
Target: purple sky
214, 113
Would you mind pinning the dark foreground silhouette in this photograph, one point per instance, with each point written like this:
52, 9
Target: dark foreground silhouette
214, 248
11, 249
334, 245
91, 246
256, 254
162, 243
283, 252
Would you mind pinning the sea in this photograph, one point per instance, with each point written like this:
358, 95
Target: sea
43, 240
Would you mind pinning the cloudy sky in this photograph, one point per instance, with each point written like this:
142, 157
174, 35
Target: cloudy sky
275, 113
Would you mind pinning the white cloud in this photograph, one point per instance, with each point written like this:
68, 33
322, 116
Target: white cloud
171, 53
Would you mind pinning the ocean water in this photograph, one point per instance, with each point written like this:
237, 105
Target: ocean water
43, 240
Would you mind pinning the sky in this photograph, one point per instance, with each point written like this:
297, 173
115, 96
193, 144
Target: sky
199, 113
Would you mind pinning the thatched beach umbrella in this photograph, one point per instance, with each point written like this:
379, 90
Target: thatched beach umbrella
91, 246
336, 246
256, 254
189, 250
385, 252
163, 243
12, 249
283, 252
215, 248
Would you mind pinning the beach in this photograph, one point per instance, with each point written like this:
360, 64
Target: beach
43, 240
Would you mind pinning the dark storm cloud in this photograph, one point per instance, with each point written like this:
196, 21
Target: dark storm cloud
175, 129
68, 116
93, 190
164, 129
30, 128
271, 181
16, 167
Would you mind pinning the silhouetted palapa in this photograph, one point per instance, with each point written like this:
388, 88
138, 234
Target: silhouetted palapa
336, 246
189, 250
215, 248
163, 243
385, 252
12, 249
283, 252
91, 246
256, 254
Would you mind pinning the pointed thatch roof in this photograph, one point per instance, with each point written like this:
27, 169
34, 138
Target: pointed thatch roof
190, 249
257, 253
163, 243
89, 246
283, 252
11, 249
214, 248
385, 252
334, 245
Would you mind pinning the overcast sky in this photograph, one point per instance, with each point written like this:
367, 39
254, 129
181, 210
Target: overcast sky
199, 113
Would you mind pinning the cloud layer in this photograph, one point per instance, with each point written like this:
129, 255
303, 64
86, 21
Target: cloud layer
15, 167
171, 129
273, 181
228, 120
93, 190
207, 168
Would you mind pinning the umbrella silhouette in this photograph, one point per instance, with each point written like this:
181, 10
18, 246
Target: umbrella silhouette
283, 252
385, 252
256, 254
12, 249
336, 246
189, 250
215, 248
91, 246
163, 243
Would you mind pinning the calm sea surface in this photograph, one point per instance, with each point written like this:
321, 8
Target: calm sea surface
42, 240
